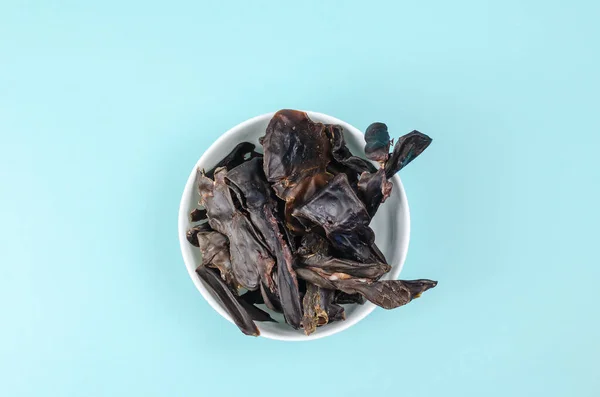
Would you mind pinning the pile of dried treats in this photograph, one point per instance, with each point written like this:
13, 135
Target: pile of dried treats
290, 228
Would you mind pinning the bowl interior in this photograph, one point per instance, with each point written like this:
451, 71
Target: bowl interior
391, 224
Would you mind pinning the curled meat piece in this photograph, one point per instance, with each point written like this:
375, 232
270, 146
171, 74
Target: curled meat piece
294, 145
373, 190
229, 301
297, 152
378, 142
250, 259
251, 182
215, 253
314, 253
242, 152
337, 209
319, 309
406, 149
197, 215
388, 294
374, 187
192, 234
342, 155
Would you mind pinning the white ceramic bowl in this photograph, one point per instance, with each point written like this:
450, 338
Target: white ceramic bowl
391, 224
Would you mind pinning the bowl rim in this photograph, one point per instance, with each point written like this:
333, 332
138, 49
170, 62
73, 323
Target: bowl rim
189, 261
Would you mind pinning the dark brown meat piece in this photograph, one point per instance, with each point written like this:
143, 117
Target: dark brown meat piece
372, 271
294, 145
313, 244
378, 142
229, 301
408, 148
215, 253
388, 294
391, 294
298, 193
314, 253
287, 282
335, 168
314, 311
192, 234
373, 190
342, 215
197, 215
319, 309
374, 187
242, 152
342, 155
250, 260
251, 182
297, 152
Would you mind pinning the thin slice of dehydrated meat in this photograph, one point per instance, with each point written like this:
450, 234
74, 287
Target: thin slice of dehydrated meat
406, 149
344, 162
228, 301
319, 308
297, 153
378, 142
373, 190
391, 294
374, 187
313, 277
297, 194
192, 233
250, 259
344, 218
335, 168
335, 206
250, 179
314, 253
388, 294
212, 244
355, 269
314, 310
294, 145
197, 215
215, 253
242, 152
287, 284
251, 182
342, 155
313, 244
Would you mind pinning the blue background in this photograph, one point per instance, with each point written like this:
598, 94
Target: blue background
105, 109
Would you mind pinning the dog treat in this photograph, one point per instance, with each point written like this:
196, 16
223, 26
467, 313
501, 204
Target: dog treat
290, 229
